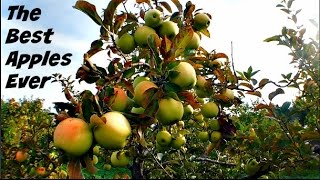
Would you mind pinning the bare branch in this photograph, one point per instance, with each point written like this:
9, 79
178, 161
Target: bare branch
214, 161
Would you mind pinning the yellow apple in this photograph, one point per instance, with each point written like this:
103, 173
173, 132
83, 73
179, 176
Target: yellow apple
140, 89
170, 111
141, 35
119, 101
163, 138
210, 110
169, 29
126, 43
153, 18
74, 136
114, 133
119, 159
201, 21
185, 77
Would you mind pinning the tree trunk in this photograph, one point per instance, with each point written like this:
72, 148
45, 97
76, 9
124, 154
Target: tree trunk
137, 166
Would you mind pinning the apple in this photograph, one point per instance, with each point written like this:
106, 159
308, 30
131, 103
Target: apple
201, 82
74, 136
169, 29
199, 117
202, 93
215, 136
107, 167
140, 89
201, 21
141, 35
185, 77
210, 110
153, 18
178, 142
162, 148
200, 100
21, 156
252, 167
139, 79
163, 138
214, 125
95, 159
119, 159
187, 111
41, 171
228, 93
96, 150
203, 136
170, 111
119, 101
139, 110
32, 171
126, 43
194, 42
114, 133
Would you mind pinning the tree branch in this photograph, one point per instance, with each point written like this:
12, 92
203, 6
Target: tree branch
214, 161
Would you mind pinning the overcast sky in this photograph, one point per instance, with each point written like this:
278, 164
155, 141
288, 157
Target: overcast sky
246, 23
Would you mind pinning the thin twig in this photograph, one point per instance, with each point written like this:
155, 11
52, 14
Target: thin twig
214, 161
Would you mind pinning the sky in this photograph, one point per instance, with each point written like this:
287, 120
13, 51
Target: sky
245, 23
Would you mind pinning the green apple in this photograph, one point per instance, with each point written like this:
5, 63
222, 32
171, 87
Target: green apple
153, 18
194, 42
229, 94
96, 150
201, 82
139, 79
161, 148
119, 101
141, 35
201, 21
214, 125
169, 29
107, 167
202, 93
74, 136
163, 138
252, 167
210, 110
215, 136
114, 133
199, 117
126, 43
178, 142
119, 159
203, 136
140, 89
139, 110
170, 111
95, 159
185, 77
187, 110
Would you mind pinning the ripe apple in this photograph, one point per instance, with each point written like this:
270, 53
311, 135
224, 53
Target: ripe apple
215, 136
74, 136
119, 101
229, 94
186, 76
119, 159
139, 79
214, 125
178, 142
153, 18
194, 42
21, 156
163, 138
170, 111
126, 43
203, 136
114, 133
141, 35
169, 29
41, 171
140, 89
210, 110
139, 110
201, 21
252, 167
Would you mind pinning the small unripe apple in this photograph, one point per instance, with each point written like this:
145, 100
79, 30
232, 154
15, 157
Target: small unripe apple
187, 111
141, 35
201, 82
186, 77
170, 111
199, 117
215, 136
96, 150
252, 167
169, 29
203, 136
126, 43
178, 142
21, 156
95, 159
210, 110
229, 94
119, 101
163, 138
119, 159
107, 167
201, 21
153, 18
214, 125
194, 42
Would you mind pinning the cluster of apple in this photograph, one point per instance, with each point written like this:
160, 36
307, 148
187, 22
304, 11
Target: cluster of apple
156, 27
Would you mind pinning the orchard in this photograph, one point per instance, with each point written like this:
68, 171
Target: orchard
165, 107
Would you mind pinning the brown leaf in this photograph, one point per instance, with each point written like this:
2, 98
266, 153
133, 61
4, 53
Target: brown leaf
109, 12
88, 9
263, 82
182, 39
166, 5
220, 55
246, 85
177, 3
220, 75
189, 98
96, 120
74, 169
142, 140
205, 32
255, 93
261, 106
118, 22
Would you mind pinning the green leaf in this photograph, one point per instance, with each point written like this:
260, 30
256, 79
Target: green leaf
273, 38
88, 9
285, 106
275, 93
129, 72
